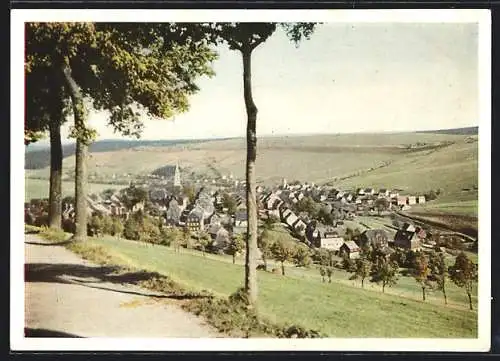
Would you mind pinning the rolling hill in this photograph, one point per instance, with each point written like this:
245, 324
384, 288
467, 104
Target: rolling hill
412, 162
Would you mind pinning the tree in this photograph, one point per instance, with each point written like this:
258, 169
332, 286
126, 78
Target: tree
229, 202
95, 226
439, 271
329, 273
348, 264
322, 272
132, 195
189, 192
422, 271
269, 222
125, 68
203, 241
282, 252
464, 274
302, 256
381, 204
45, 111
385, 272
245, 37
236, 246
185, 238
149, 231
264, 243
325, 216
117, 227
172, 237
362, 269
132, 228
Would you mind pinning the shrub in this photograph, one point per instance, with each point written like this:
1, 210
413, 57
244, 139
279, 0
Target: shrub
42, 220
131, 229
68, 225
51, 234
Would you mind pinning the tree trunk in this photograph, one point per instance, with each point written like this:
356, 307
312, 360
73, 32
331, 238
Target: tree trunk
234, 258
251, 241
55, 187
362, 282
383, 287
282, 268
265, 263
470, 300
444, 295
423, 293
80, 155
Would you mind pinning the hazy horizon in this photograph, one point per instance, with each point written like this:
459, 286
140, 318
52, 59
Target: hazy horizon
45, 142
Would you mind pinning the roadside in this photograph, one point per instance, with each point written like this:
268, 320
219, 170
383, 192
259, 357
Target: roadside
70, 297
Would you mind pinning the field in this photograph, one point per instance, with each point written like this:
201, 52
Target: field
411, 162
339, 309
39, 188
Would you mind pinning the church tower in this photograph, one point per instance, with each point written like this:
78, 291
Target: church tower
177, 176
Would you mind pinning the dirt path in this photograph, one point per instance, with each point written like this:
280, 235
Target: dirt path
69, 297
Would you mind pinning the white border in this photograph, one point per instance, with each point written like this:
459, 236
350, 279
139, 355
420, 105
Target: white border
18, 342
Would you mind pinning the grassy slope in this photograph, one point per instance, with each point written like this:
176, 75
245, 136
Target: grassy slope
39, 188
337, 309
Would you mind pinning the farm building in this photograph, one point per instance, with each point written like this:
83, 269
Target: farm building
373, 237
351, 249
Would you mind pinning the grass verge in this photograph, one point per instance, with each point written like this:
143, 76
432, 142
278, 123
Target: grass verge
230, 315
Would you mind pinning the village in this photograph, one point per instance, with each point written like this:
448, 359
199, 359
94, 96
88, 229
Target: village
321, 217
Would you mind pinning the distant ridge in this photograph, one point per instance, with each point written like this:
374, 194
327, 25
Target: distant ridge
456, 131
38, 156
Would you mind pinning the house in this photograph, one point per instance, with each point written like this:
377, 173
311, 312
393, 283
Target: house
350, 249
241, 218
194, 222
407, 240
394, 195
383, 193
331, 242
401, 200
377, 238
369, 191
412, 200
421, 199
299, 226
360, 191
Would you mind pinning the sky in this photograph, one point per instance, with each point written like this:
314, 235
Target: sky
349, 77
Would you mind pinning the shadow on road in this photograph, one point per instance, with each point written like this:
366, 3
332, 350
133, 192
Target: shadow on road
41, 332
48, 244
92, 276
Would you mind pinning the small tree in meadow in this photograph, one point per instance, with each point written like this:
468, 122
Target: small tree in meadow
302, 256
95, 225
203, 242
116, 227
362, 269
322, 272
439, 272
422, 271
282, 252
264, 242
236, 246
385, 272
464, 274
329, 273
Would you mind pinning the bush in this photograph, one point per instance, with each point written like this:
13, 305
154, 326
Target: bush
131, 229
68, 225
42, 220
51, 234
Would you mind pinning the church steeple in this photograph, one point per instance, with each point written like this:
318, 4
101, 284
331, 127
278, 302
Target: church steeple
177, 175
